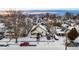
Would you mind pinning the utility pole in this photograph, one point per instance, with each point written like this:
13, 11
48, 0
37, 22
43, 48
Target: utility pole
66, 41
16, 27
16, 31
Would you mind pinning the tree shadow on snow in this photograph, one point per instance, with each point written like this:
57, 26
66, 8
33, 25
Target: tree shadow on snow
75, 44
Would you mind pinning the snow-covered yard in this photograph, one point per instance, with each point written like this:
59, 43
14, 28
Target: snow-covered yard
43, 44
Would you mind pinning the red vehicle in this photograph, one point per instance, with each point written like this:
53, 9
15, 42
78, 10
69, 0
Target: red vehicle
24, 44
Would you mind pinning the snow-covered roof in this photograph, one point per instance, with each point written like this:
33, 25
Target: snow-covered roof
70, 27
59, 31
36, 26
62, 30
42, 27
64, 25
2, 25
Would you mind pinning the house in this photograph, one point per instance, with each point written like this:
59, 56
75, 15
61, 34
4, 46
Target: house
61, 31
9, 33
38, 29
65, 25
2, 27
2, 30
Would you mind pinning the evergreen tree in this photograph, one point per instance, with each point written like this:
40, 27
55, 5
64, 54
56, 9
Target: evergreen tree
73, 34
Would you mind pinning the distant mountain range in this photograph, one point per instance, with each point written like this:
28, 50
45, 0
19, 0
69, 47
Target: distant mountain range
59, 12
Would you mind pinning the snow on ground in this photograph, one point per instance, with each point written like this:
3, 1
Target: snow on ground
43, 44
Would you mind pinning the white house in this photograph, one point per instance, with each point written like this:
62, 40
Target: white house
38, 29
64, 25
2, 27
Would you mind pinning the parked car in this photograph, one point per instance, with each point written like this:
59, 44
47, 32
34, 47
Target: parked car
24, 44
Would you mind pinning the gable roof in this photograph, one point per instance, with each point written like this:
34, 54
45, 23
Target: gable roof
36, 26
